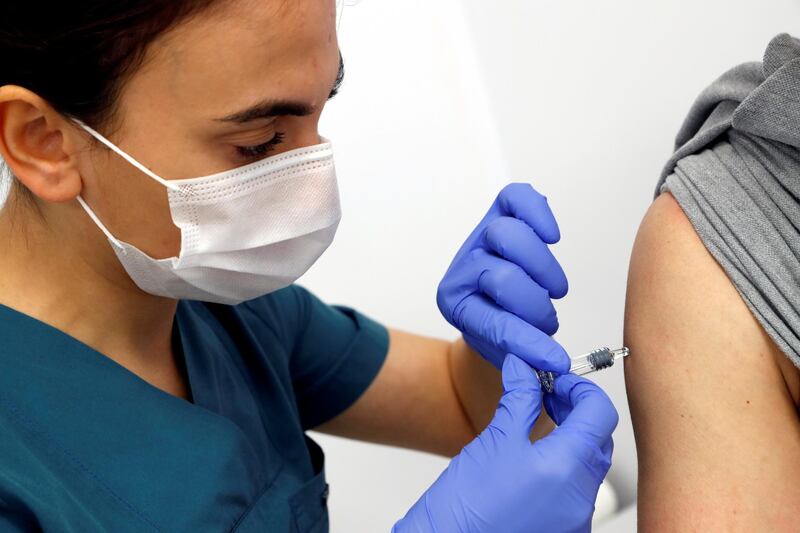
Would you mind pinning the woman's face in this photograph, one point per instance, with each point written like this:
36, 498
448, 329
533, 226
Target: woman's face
211, 95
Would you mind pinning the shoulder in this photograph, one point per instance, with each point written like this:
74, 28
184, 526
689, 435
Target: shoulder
672, 278
669, 260
281, 314
716, 427
677, 289
289, 302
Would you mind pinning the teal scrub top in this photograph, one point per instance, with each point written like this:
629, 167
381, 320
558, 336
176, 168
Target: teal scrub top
86, 445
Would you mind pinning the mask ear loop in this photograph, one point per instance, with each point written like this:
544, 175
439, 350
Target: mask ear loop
126, 157
130, 160
100, 225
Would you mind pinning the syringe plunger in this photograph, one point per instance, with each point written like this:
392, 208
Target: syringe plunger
596, 360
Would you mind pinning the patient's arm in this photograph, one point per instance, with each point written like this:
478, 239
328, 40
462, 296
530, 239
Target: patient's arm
713, 400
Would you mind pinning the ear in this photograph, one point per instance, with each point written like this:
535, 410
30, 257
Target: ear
37, 144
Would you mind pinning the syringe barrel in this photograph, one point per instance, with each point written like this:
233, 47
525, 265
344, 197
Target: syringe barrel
585, 364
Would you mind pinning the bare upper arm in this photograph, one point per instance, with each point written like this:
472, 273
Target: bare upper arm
429, 395
410, 403
713, 400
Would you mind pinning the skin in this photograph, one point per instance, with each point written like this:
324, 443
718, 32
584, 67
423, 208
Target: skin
58, 267
713, 400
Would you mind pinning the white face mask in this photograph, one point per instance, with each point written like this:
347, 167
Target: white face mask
245, 232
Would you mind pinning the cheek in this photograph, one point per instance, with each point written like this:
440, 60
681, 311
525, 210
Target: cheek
136, 210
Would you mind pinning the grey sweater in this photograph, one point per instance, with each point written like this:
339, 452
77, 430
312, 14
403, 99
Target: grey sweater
736, 174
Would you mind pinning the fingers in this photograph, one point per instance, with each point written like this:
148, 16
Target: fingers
513, 290
503, 282
516, 241
483, 319
498, 289
521, 402
521, 200
582, 407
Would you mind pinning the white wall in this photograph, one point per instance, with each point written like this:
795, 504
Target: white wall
443, 103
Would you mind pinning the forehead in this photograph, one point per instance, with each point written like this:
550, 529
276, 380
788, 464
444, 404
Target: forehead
240, 53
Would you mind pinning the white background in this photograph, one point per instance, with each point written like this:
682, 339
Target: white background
443, 103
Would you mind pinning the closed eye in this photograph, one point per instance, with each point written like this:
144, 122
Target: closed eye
260, 150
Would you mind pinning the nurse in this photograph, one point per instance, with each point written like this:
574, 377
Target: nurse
158, 365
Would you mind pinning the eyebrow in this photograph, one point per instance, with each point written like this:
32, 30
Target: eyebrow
276, 108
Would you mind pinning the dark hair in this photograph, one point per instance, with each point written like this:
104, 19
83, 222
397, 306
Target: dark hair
76, 54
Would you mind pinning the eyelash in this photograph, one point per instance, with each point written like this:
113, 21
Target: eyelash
252, 152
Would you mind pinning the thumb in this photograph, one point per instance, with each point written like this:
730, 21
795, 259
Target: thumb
583, 407
522, 399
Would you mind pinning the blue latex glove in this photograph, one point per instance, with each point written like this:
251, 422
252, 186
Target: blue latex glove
500, 482
498, 289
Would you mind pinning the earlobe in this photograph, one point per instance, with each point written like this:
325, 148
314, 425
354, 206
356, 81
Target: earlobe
35, 143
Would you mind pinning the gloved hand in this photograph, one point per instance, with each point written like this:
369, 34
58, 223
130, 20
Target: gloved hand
498, 288
500, 482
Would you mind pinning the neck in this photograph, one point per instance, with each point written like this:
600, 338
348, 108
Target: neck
67, 275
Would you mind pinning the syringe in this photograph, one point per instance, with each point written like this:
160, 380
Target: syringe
585, 364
